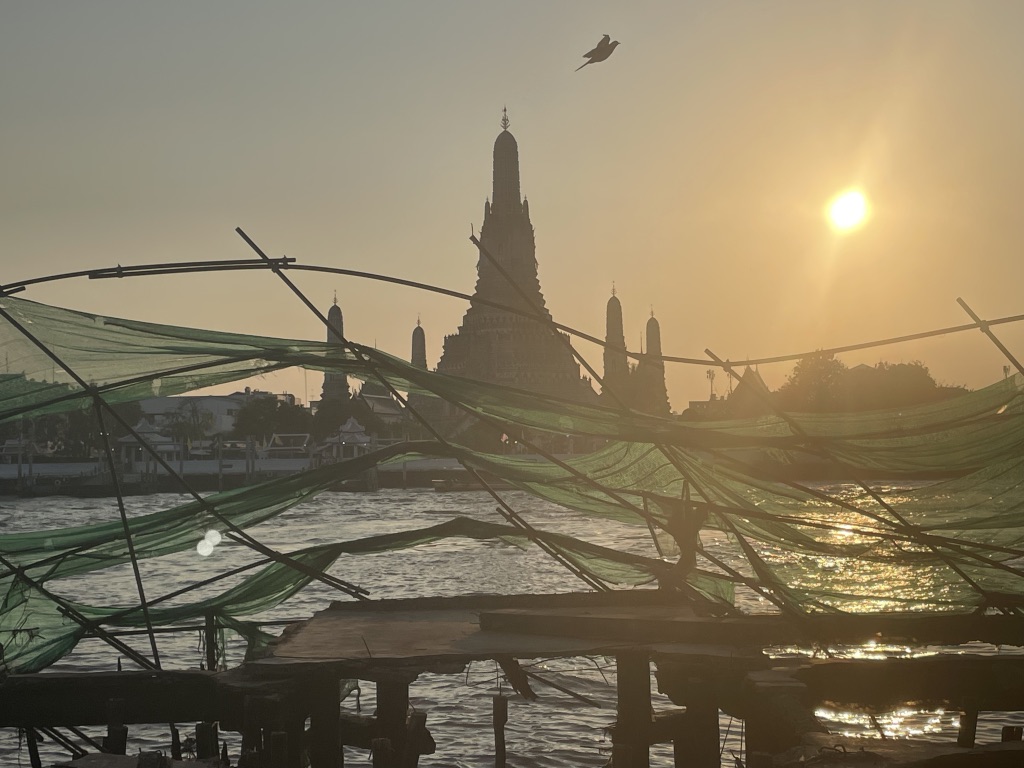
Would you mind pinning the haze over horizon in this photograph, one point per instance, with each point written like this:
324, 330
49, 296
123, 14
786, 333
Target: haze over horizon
692, 168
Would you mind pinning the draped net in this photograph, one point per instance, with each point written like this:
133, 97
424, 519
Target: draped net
719, 520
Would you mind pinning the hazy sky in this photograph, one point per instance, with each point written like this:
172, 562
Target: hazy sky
691, 168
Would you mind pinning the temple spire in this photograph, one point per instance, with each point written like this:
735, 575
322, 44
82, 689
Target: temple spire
419, 346
335, 382
616, 364
506, 197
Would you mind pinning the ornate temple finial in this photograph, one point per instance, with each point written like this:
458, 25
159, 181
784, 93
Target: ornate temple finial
417, 319
652, 310
613, 287
335, 298
504, 119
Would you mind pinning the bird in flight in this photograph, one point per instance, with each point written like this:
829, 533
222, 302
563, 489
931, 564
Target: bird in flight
600, 52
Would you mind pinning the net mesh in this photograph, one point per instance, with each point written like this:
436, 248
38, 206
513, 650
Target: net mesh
718, 520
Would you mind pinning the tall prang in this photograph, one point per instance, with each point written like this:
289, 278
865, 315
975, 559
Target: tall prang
419, 346
335, 384
496, 345
616, 364
650, 392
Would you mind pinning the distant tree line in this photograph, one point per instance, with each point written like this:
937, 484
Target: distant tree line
818, 384
821, 384
265, 416
71, 435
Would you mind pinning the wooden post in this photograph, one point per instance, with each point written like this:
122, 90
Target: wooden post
252, 738
210, 640
392, 709
968, 728
382, 753
415, 735
116, 740
207, 740
33, 747
175, 744
696, 745
632, 731
499, 710
295, 727
278, 749
324, 731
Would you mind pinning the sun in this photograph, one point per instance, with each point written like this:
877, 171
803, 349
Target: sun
847, 210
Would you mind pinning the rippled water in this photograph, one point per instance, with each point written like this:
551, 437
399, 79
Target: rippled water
556, 731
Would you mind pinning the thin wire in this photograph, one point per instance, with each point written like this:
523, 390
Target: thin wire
289, 263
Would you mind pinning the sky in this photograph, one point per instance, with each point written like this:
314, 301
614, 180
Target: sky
691, 169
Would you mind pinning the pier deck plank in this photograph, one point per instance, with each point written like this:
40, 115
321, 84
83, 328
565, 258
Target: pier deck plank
421, 632
470, 628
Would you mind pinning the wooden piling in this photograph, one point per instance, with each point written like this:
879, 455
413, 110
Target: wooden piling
175, 744
499, 715
968, 728
295, 726
325, 749
631, 737
32, 738
383, 754
416, 734
207, 740
116, 740
210, 641
696, 743
252, 737
392, 710
278, 749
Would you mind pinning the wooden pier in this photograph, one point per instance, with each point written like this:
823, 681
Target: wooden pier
706, 665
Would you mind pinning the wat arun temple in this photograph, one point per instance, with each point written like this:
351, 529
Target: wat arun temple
513, 349
495, 345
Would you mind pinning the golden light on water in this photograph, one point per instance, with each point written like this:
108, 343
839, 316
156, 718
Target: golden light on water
848, 210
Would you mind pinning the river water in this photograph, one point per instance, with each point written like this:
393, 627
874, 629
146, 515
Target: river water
557, 731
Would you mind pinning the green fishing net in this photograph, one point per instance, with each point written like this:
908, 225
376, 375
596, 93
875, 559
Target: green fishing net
719, 520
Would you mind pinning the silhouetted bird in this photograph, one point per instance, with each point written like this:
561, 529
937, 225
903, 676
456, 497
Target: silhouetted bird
600, 44
600, 52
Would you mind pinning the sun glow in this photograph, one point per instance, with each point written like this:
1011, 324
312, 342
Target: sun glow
848, 210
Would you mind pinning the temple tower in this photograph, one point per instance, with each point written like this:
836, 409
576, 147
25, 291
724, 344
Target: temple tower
616, 364
496, 345
335, 384
419, 347
650, 390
